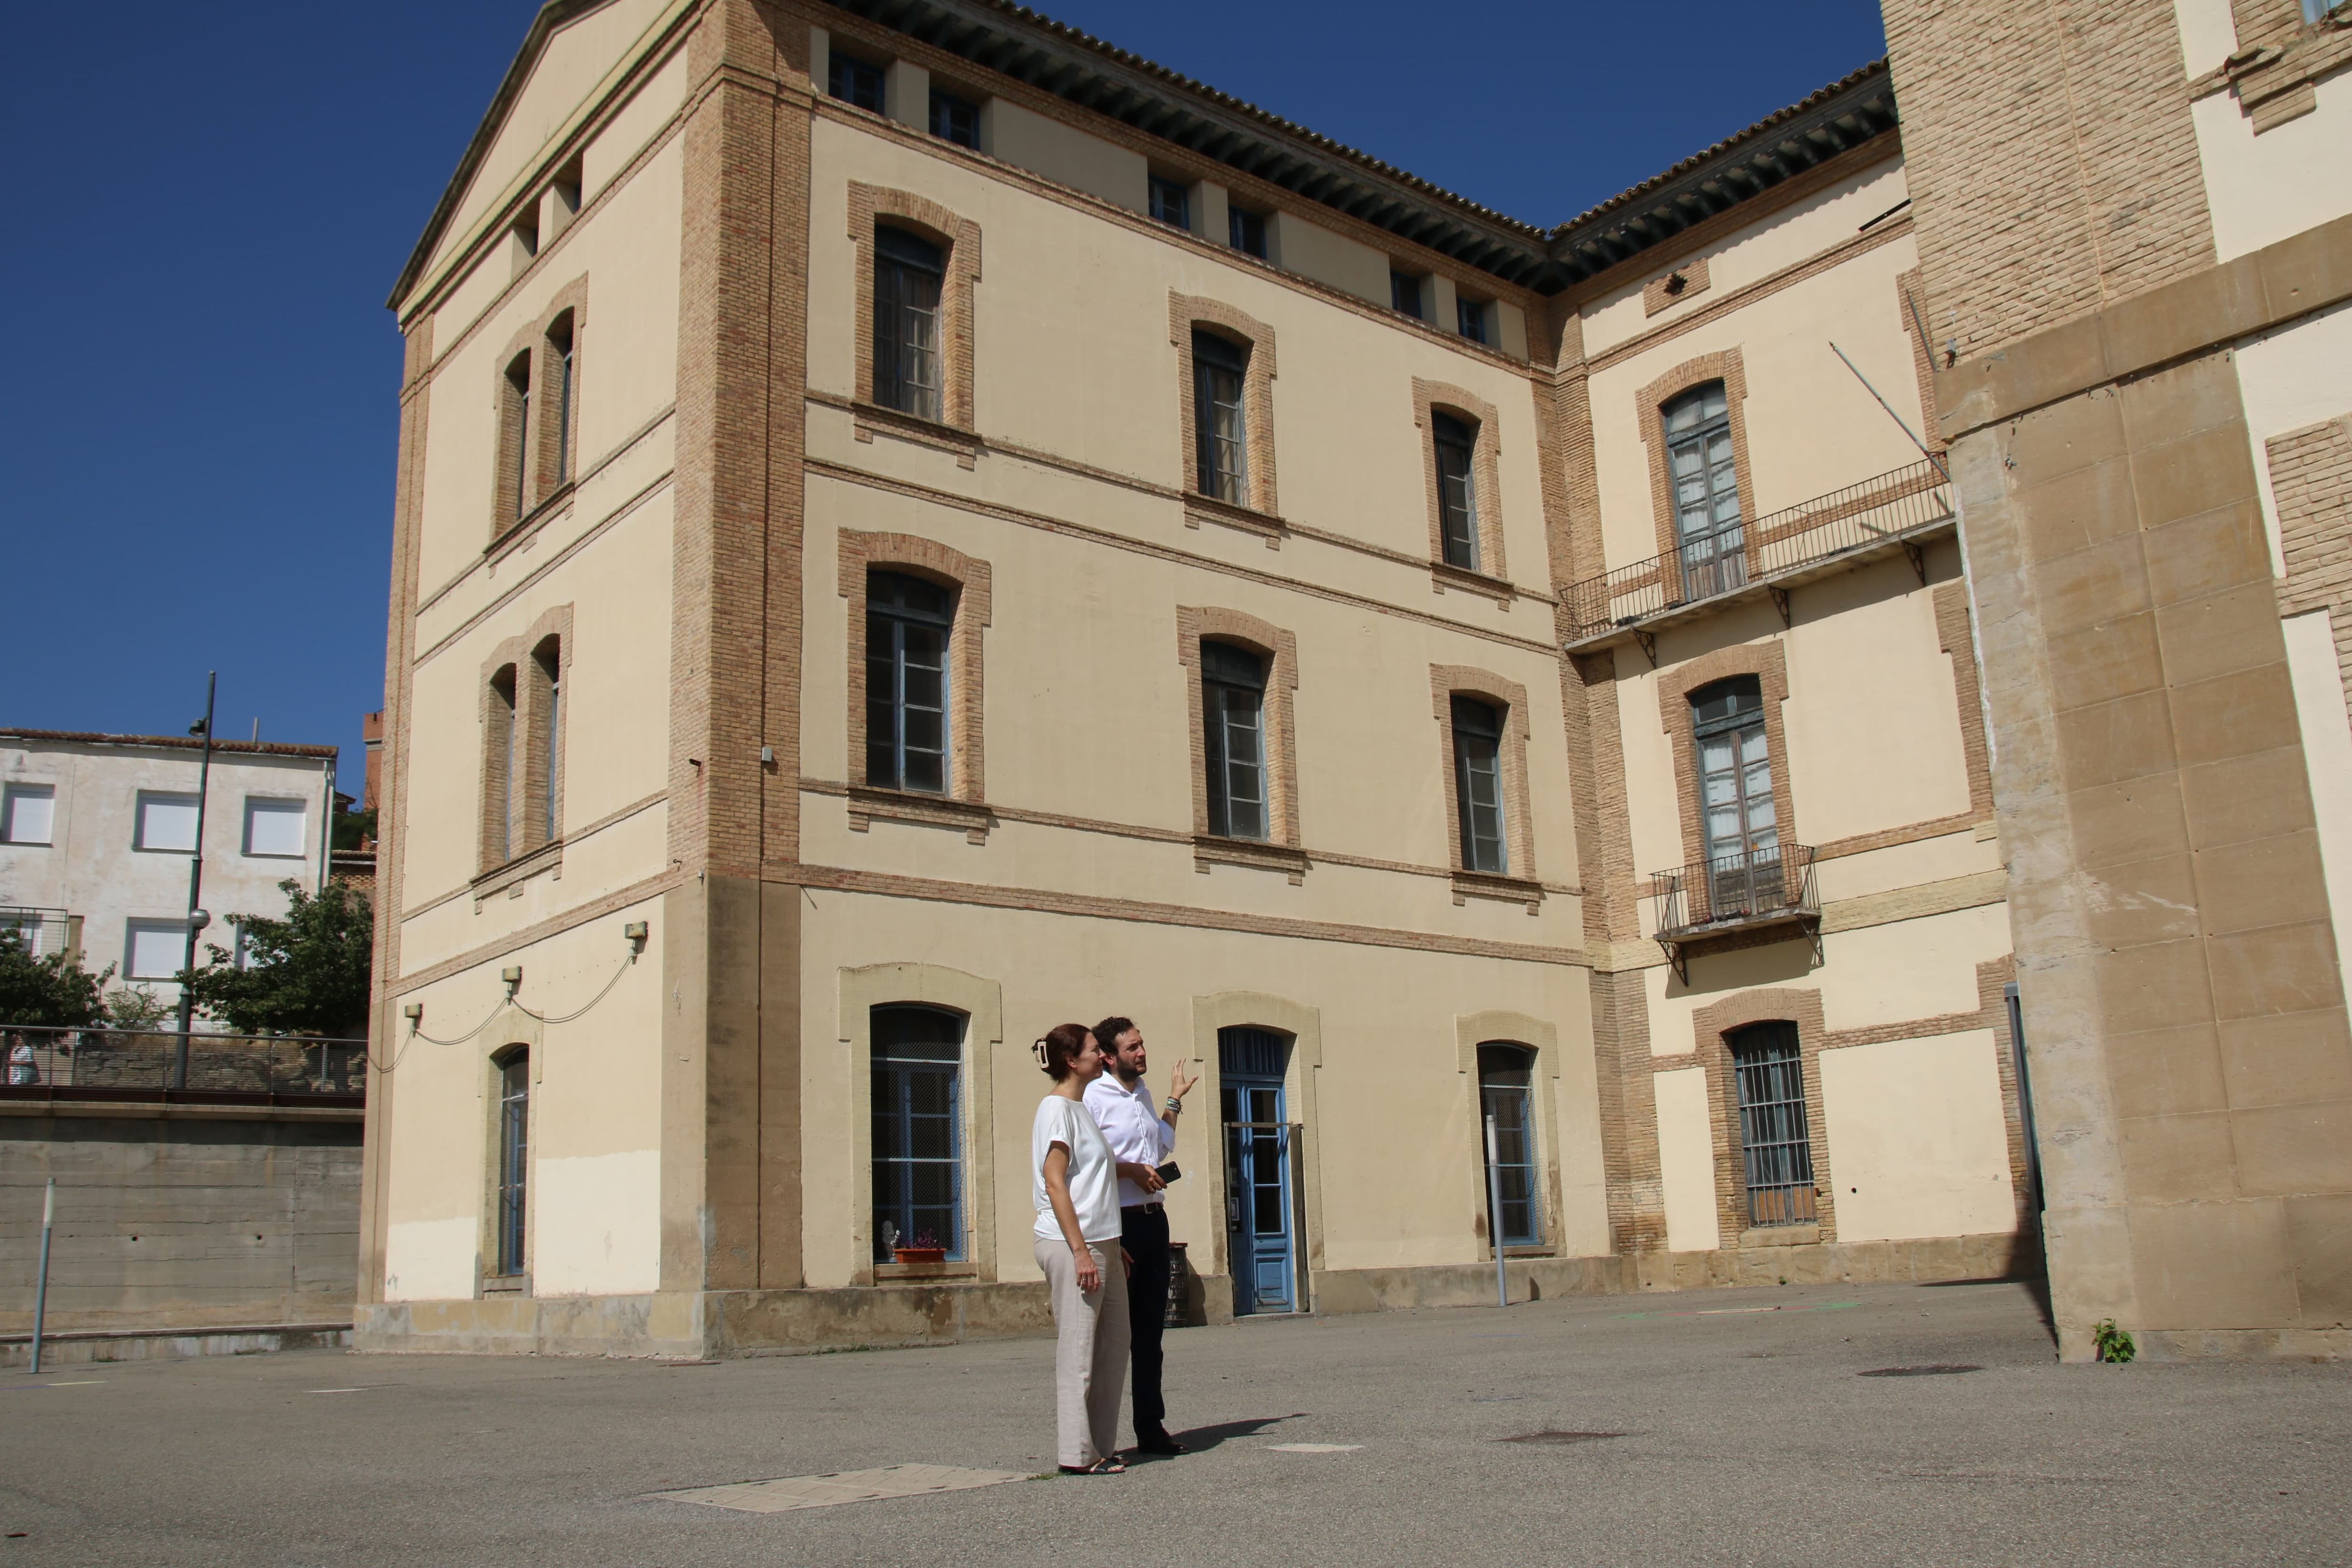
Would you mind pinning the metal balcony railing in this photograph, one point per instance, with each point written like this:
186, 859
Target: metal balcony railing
1877, 511
146, 1064
1771, 886
40, 932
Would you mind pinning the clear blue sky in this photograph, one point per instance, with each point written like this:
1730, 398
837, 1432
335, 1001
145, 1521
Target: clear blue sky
210, 203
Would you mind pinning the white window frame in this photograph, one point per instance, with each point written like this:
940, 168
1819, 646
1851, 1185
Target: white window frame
139, 821
257, 806
133, 930
15, 793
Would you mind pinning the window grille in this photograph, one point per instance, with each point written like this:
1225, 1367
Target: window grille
1245, 231
906, 275
917, 1068
1220, 368
855, 83
1506, 1093
1233, 714
1404, 293
1774, 1137
1457, 491
1478, 784
907, 624
955, 119
1170, 202
514, 1132
1470, 318
1706, 492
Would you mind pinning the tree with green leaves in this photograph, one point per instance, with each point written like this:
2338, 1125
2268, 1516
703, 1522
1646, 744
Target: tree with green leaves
307, 973
51, 991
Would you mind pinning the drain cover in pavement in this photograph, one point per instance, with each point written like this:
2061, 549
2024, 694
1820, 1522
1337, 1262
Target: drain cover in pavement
1560, 1437
1937, 1369
844, 1486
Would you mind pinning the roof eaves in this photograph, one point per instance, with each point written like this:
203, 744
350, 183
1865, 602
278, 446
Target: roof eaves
172, 743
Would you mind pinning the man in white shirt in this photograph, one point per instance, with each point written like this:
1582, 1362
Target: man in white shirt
1141, 1136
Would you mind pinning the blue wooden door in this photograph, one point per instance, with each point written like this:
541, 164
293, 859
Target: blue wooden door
1257, 1171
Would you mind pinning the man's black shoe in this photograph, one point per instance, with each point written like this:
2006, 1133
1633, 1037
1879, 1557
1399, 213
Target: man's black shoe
1162, 1444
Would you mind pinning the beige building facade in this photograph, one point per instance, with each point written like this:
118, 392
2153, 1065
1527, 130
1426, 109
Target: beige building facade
912, 532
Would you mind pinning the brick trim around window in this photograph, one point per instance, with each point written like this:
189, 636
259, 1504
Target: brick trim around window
1911, 303
1768, 661
1952, 636
543, 440
1281, 849
1711, 1027
959, 239
1650, 407
1185, 313
1519, 884
1486, 471
2311, 475
527, 834
965, 804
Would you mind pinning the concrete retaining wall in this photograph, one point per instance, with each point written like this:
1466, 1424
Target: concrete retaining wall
178, 1217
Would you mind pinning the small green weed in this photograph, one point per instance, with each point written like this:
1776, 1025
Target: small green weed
2109, 1342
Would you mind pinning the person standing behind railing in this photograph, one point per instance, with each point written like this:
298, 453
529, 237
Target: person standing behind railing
23, 1067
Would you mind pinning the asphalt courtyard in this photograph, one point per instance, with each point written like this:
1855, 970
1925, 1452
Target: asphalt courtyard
1710, 1427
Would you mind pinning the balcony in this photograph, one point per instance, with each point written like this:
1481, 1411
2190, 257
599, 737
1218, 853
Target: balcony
149, 1067
41, 933
1734, 895
1899, 510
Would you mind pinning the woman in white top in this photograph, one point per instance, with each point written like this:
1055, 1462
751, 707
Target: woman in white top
1077, 1247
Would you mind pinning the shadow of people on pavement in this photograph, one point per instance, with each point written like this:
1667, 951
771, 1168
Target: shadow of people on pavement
1201, 1440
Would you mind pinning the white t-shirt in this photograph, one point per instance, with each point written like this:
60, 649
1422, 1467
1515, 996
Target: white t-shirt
1094, 1174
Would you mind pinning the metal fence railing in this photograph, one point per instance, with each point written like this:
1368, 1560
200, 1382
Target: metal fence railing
145, 1064
1875, 511
1761, 882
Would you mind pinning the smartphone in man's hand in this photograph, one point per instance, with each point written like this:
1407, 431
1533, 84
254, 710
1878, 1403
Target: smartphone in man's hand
1167, 1173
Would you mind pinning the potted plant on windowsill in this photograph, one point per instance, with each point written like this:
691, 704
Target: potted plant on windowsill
924, 1249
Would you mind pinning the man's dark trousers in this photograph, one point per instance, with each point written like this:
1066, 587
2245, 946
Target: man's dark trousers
1144, 1233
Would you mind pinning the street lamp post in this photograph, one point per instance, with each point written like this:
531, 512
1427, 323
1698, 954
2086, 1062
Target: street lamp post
197, 920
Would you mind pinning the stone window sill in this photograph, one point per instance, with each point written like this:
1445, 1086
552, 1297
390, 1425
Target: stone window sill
528, 523
873, 418
1779, 1236
506, 1284
1468, 885
954, 1268
1210, 850
1200, 509
511, 876
1443, 575
866, 804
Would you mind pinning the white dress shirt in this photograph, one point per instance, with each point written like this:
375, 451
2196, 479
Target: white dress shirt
1130, 1125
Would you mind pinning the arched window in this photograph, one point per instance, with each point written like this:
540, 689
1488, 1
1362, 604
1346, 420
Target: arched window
499, 769
545, 766
1221, 417
918, 1108
907, 622
1706, 491
908, 272
1478, 784
1233, 716
1506, 1095
514, 1158
1735, 769
560, 379
1457, 490
514, 437
1775, 1138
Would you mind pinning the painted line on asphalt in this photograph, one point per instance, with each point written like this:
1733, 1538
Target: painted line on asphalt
1737, 1312
1313, 1448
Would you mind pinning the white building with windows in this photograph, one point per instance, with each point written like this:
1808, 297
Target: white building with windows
95, 834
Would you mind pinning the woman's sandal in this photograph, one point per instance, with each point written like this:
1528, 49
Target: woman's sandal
1111, 1466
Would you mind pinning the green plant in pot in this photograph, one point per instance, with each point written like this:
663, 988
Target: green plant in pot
924, 1247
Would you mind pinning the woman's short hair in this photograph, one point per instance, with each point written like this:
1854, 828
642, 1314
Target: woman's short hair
1062, 1043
